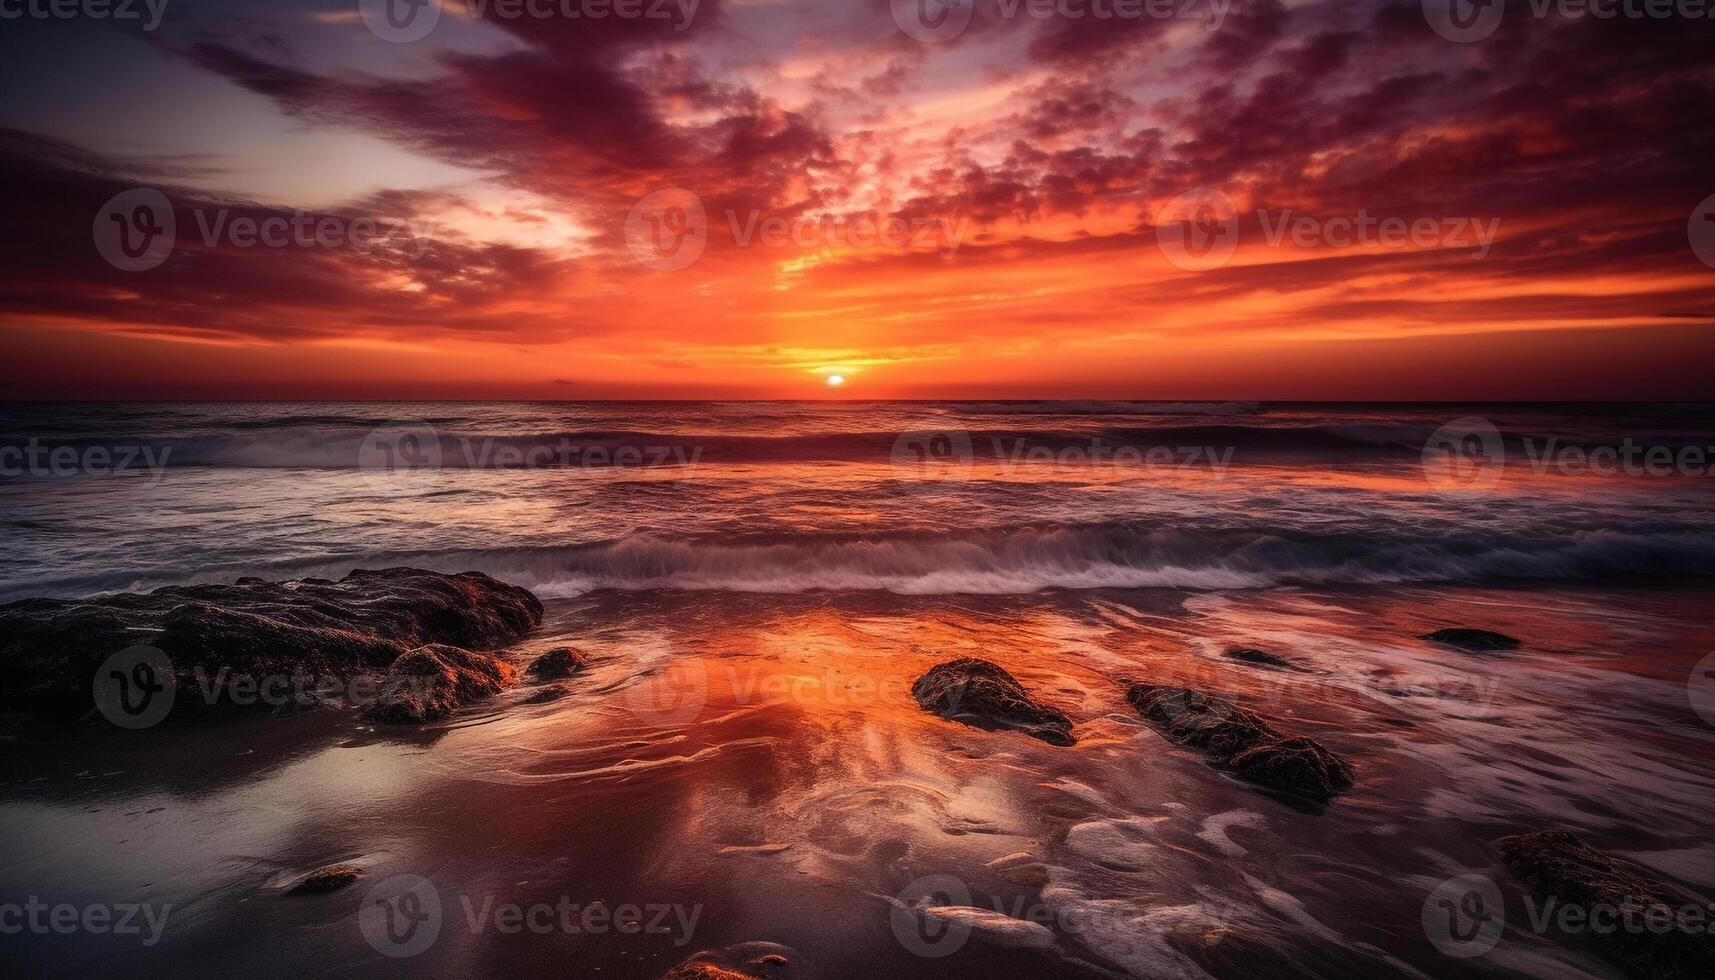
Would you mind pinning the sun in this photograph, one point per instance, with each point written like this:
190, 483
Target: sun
834, 380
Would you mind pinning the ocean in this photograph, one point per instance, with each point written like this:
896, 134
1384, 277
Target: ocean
757, 586
914, 498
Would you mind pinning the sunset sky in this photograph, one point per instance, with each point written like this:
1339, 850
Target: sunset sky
1030, 157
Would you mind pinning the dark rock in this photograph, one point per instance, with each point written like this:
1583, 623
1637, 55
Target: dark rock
1558, 865
983, 695
1261, 658
433, 681
1197, 720
556, 663
1242, 743
547, 693
311, 628
1472, 640
746, 961
328, 879
1297, 765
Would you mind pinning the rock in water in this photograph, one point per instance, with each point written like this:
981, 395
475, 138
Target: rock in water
746, 961
1241, 742
1472, 640
328, 879
1557, 865
983, 695
555, 664
432, 681
311, 629
1261, 658
547, 693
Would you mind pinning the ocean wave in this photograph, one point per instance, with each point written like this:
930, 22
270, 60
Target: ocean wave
1088, 407
1094, 557
427, 446
1027, 560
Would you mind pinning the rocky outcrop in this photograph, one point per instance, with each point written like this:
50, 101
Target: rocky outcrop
1472, 640
555, 664
324, 880
368, 623
546, 694
983, 695
1260, 658
1242, 743
746, 961
1660, 930
433, 681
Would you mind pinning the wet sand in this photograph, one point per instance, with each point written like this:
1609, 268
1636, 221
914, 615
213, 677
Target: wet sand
752, 767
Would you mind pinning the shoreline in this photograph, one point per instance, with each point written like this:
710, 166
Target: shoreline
785, 807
